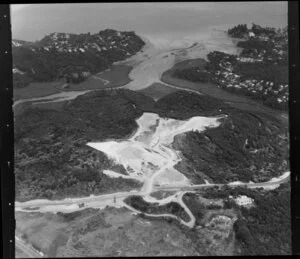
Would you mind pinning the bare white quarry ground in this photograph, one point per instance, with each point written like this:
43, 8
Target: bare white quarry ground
276, 179
149, 153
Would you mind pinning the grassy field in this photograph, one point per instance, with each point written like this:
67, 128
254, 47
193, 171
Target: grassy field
41, 230
210, 89
106, 232
36, 90
117, 76
118, 232
157, 91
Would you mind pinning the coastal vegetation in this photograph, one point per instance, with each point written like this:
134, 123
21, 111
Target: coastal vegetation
260, 71
71, 57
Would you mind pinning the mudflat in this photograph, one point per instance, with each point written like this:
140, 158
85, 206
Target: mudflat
117, 76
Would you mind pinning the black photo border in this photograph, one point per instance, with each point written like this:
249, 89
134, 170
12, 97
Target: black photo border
7, 127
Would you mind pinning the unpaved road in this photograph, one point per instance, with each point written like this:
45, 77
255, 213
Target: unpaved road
264, 185
27, 249
116, 199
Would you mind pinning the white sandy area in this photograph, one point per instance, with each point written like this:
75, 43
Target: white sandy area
276, 179
173, 177
153, 155
113, 174
239, 183
273, 180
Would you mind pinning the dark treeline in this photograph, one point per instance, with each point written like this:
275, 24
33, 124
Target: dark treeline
242, 31
244, 147
140, 204
43, 65
266, 228
262, 229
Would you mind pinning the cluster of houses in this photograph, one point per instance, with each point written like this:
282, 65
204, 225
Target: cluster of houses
242, 200
279, 40
226, 78
109, 45
63, 42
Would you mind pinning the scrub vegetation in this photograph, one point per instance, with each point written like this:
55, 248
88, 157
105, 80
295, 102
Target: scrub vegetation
260, 71
53, 161
262, 229
138, 203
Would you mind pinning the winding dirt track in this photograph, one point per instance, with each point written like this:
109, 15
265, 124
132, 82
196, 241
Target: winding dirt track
70, 205
27, 249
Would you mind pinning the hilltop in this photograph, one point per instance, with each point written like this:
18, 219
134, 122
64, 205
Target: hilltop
72, 57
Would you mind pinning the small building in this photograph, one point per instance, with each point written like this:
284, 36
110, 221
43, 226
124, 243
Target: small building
243, 200
86, 74
251, 34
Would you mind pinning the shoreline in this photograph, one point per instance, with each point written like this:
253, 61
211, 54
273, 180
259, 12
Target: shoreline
130, 63
48, 98
212, 90
55, 87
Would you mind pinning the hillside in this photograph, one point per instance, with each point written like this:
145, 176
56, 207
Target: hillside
46, 138
261, 227
72, 57
244, 147
259, 72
